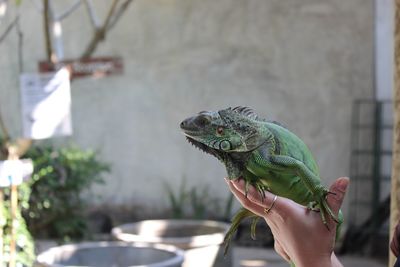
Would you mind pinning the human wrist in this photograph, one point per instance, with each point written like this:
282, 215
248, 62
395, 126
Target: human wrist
335, 261
322, 261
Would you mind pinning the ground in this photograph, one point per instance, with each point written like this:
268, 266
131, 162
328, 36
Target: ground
262, 257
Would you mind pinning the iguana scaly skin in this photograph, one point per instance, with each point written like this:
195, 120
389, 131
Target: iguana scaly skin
263, 153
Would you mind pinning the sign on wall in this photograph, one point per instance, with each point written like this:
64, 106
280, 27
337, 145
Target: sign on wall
46, 104
96, 67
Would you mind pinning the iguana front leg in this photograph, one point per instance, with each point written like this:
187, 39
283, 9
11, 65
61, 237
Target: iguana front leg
288, 164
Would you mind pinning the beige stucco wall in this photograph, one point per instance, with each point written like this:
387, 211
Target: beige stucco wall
299, 62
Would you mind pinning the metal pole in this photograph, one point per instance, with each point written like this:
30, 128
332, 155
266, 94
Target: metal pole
12, 155
376, 178
1, 230
14, 206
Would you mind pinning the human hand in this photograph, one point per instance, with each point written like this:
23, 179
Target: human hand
300, 236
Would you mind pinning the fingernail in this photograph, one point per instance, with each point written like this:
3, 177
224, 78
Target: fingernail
342, 184
226, 180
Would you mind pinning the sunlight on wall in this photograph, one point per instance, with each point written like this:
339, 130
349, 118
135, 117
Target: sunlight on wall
254, 263
3, 8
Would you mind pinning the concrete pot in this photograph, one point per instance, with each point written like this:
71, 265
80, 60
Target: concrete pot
110, 254
200, 239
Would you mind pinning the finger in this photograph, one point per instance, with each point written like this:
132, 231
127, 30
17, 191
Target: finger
246, 202
338, 188
279, 249
253, 195
253, 207
282, 207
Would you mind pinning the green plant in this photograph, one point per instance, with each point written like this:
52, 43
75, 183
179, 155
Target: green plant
200, 202
197, 203
24, 243
56, 203
178, 200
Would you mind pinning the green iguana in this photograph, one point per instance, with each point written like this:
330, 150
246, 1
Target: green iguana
265, 154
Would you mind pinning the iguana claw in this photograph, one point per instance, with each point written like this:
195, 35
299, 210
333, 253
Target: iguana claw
322, 206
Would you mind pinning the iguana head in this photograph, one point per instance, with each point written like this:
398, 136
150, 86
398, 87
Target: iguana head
224, 131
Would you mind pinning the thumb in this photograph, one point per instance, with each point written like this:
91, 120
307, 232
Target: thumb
338, 190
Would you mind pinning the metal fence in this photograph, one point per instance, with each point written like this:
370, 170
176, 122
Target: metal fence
370, 169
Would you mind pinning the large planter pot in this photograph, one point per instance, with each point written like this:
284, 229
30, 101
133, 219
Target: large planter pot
110, 254
200, 239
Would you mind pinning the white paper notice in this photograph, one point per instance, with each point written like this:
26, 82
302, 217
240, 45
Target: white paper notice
14, 172
46, 104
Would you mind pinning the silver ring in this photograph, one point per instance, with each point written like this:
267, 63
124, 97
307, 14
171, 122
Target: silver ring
266, 210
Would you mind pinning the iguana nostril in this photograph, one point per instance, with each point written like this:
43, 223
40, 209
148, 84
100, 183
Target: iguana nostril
185, 123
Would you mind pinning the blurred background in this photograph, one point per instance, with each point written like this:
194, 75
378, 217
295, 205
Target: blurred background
323, 68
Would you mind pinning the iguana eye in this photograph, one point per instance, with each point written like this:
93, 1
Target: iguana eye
220, 130
225, 145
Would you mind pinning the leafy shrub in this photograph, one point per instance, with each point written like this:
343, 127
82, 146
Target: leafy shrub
51, 201
56, 203
24, 243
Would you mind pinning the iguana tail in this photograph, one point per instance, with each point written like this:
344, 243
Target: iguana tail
236, 220
339, 225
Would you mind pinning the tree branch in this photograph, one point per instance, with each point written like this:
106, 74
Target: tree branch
92, 14
3, 128
6, 135
46, 25
9, 28
20, 46
22, 145
122, 8
99, 34
68, 11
